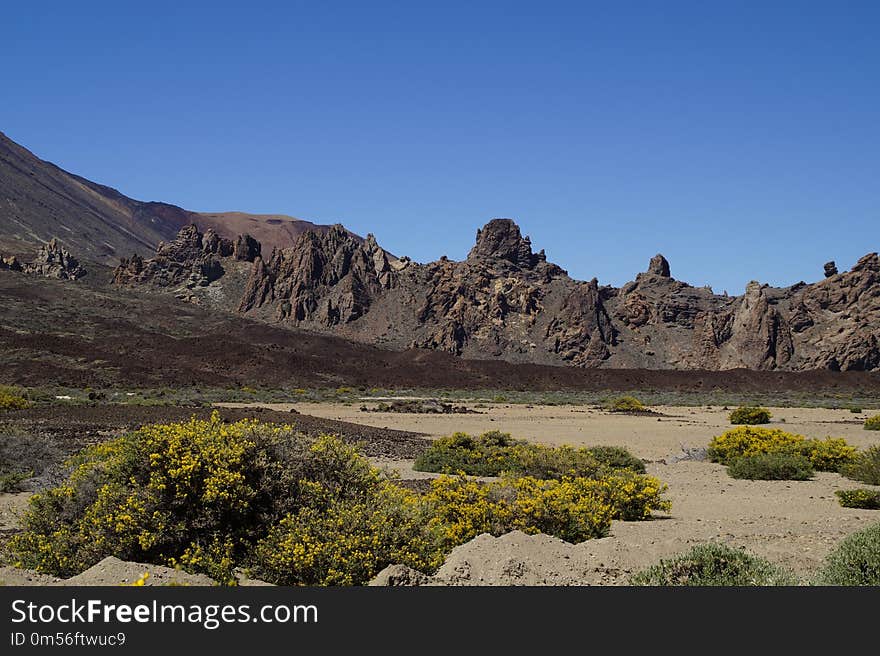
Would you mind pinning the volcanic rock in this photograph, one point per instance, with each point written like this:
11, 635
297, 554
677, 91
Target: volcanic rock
830, 269
327, 279
501, 239
659, 266
54, 261
246, 248
192, 259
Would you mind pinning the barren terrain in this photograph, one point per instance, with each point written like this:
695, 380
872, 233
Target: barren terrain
792, 523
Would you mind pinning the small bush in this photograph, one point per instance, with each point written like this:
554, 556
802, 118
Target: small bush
714, 565
771, 467
748, 441
627, 404
349, 541
750, 415
829, 455
864, 467
856, 411
855, 561
860, 498
11, 481
872, 423
616, 457
11, 399
486, 455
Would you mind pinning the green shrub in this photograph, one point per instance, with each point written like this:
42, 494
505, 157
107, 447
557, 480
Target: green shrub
859, 498
750, 415
627, 404
855, 561
771, 467
856, 411
11, 398
11, 481
546, 462
495, 453
864, 467
714, 565
486, 455
616, 457
872, 423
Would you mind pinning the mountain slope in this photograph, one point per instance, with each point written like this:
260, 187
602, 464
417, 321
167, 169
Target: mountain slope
40, 201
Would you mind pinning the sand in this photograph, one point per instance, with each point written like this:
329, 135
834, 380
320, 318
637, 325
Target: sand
792, 523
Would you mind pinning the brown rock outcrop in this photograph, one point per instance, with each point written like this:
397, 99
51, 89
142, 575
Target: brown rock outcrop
192, 259
328, 279
51, 261
505, 301
54, 261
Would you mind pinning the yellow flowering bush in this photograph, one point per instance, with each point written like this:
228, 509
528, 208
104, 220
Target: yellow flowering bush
859, 498
212, 497
872, 423
750, 415
197, 494
348, 542
830, 454
627, 404
750, 441
11, 398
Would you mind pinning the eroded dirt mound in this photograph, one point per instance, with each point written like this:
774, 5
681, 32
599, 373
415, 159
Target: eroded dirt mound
514, 558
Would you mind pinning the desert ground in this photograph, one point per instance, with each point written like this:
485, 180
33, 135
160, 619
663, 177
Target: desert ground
791, 523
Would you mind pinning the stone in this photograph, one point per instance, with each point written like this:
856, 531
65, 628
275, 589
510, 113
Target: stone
54, 261
659, 266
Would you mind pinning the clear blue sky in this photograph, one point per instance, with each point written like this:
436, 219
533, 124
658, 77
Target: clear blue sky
740, 139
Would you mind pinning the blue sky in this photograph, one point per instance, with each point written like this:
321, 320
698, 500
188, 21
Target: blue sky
740, 139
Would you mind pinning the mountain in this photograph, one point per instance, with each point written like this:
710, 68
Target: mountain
504, 301
40, 201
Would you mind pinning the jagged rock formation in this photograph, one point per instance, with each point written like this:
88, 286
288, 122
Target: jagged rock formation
324, 279
191, 260
830, 269
51, 261
505, 301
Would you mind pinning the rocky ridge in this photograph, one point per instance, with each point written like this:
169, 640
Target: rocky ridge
506, 301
